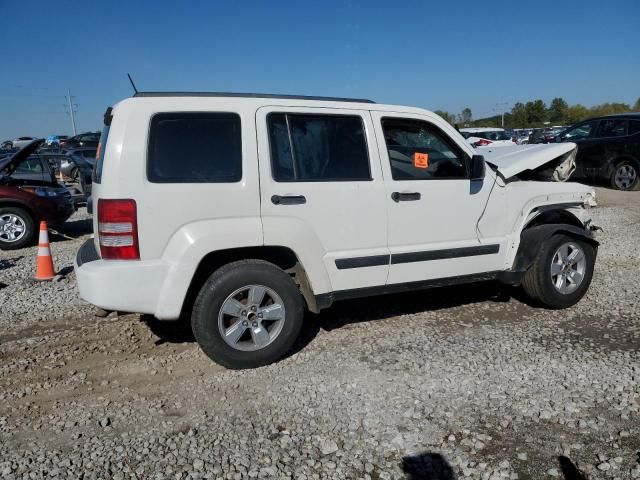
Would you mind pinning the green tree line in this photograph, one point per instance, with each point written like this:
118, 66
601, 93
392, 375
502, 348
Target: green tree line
535, 113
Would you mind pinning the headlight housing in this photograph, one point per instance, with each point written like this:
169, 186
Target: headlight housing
43, 191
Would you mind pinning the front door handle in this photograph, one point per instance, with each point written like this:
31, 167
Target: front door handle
288, 199
405, 196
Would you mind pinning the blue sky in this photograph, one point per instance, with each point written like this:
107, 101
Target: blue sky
433, 54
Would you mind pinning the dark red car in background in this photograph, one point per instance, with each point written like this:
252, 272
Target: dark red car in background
29, 193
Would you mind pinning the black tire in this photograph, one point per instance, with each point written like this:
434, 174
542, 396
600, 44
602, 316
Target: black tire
631, 167
25, 219
229, 279
538, 283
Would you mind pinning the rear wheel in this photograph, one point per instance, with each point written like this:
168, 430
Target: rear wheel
562, 272
625, 176
247, 314
16, 228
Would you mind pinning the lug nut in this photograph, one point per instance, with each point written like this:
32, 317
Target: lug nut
245, 323
259, 315
255, 324
244, 313
253, 309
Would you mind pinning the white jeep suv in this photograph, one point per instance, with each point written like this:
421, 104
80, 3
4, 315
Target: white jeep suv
241, 211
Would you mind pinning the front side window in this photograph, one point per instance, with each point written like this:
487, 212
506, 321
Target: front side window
30, 165
420, 151
317, 148
614, 127
634, 127
584, 130
194, 147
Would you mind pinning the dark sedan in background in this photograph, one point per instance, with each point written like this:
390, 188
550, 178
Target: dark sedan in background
89, 139
608, 149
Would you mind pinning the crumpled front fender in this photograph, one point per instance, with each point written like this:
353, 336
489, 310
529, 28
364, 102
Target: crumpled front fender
532, 238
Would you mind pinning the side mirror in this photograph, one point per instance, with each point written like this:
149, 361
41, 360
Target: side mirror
477, 167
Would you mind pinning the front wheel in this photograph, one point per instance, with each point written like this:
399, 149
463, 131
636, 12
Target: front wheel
561, 274
625, 176
247, 314
16, 228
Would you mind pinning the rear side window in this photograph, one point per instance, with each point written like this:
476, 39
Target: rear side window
195, 147
102, 145
318, 148
614, 127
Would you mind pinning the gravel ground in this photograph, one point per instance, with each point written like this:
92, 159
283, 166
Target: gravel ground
465, 382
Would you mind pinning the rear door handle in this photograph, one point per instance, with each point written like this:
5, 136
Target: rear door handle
288, 199
405, 196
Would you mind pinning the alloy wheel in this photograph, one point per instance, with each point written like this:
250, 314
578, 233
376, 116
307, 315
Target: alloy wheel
568, 267
251, 318
625, 176
12, 227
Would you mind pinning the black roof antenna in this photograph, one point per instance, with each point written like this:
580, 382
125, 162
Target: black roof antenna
132, 84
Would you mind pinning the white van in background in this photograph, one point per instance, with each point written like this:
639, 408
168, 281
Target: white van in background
483, 137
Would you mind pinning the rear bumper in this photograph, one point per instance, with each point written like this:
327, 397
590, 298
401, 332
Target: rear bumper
122, 285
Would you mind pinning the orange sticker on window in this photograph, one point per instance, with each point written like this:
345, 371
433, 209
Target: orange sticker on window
421, 160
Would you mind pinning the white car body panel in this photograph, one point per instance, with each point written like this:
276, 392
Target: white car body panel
445, 217
331, 223
525, 199
179, 224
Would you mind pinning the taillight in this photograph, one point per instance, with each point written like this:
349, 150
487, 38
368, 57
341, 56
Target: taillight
482, 142
118, 229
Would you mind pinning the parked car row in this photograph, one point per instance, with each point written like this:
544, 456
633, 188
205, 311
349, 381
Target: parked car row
608, 147
29, 192
480, 137
87, 139
40, 182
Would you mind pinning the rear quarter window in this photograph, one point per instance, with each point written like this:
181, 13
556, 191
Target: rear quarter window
102, 145
634, 127
195, 147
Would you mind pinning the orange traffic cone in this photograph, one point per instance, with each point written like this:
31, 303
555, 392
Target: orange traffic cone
44, 266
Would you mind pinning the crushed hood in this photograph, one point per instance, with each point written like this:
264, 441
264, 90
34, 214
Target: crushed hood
513, 160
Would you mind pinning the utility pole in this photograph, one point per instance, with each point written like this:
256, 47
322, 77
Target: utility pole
72, 112
500, 109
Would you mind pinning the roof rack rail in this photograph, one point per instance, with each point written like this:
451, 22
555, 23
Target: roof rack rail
250, 95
